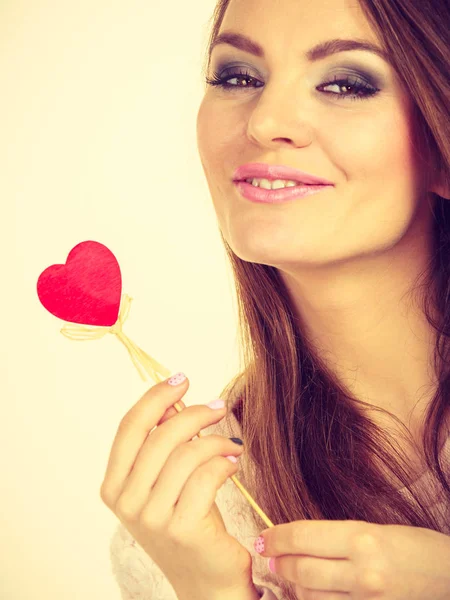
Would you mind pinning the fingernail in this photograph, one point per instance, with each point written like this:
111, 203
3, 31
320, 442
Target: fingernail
233, 459
259, 544
237, 441
272, 564
219, 403
177, 379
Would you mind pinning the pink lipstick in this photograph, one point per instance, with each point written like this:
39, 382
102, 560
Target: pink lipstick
272, 172
306, 184
257, 194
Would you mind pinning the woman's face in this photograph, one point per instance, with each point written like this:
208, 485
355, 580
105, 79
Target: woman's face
288, 116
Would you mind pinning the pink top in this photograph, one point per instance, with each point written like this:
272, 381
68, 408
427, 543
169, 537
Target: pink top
139, 578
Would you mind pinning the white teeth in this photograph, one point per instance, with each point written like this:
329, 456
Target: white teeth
272, 185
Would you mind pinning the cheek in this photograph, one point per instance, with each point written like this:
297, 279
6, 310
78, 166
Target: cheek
216, 151
216, 133
375, 146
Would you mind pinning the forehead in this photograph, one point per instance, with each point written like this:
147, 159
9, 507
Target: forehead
299, 23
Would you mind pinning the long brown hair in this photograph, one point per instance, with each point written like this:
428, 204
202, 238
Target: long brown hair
314, 450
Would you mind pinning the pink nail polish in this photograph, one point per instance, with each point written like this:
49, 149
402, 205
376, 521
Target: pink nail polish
177, 379
259, 544
233, 459
272, 565
215, 404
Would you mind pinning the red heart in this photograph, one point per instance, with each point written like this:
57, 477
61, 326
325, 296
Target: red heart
87, 289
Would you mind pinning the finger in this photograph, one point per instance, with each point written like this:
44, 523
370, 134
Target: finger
323, 539
303, 594
313, 573
170, 412
168, 438
133, 431
188, 479
199, 493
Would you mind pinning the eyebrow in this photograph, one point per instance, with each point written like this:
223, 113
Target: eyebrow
318, 52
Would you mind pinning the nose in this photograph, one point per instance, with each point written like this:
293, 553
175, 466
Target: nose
278, 118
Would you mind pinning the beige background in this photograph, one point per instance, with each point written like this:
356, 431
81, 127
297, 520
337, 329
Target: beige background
98, 110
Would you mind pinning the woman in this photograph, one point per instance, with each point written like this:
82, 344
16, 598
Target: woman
343, 399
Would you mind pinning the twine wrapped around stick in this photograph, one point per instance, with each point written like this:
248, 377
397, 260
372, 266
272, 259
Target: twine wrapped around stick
144, 364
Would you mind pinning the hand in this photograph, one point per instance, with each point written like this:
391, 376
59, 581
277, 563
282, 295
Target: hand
161, 484
331, 560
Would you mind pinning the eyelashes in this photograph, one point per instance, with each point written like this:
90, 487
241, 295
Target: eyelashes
362, 89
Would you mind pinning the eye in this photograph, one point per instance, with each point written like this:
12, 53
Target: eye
361, 88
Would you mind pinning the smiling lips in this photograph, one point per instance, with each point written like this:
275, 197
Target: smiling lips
264, 196
272, 172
